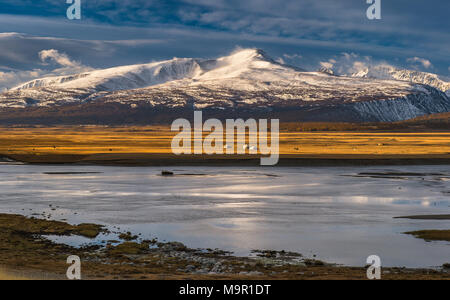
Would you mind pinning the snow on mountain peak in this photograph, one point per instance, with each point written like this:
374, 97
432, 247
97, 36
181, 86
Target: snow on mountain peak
124, 77
246, 55
146, 75
245, 79
241, 63
384, 71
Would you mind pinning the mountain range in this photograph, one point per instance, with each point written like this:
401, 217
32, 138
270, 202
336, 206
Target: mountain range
247, 83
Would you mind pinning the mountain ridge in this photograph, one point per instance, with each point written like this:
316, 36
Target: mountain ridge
246, 82
390, 72
155, 73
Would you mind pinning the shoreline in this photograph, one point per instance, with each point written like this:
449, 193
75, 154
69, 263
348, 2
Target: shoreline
159, 159
134, 258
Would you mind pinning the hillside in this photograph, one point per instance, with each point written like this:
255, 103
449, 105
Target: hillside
247, 83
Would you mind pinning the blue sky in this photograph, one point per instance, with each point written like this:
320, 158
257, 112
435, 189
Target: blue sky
411, 34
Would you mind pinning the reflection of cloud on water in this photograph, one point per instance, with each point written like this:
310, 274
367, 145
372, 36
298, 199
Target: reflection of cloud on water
426, 203
303, 210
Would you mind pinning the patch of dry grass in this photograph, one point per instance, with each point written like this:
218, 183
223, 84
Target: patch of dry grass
6, 276
88, 140
432, 235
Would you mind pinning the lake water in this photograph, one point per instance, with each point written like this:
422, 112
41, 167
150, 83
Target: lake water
335, 213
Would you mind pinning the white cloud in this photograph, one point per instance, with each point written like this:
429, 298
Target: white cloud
13, 78
358, 66
59, 58
292, 56
64, 66
67, 65
354, 64
424, 62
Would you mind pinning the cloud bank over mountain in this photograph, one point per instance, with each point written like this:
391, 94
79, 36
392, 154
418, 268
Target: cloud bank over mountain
32, 57
51, 63
303, 33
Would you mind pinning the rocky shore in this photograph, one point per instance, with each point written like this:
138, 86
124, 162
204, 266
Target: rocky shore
25, 249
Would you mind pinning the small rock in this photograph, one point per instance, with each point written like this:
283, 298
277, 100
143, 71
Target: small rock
217, 268
190, 268
173, 246
255, 273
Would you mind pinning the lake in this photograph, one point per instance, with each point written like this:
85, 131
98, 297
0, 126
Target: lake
336, 214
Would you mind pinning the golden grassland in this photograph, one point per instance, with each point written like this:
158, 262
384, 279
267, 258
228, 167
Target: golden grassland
88, 140
4, 276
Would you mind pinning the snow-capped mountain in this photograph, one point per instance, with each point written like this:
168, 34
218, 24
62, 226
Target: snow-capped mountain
146, 75
390, 72
246, 83
120, 78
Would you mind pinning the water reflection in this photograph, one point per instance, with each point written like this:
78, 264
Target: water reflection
341, 214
